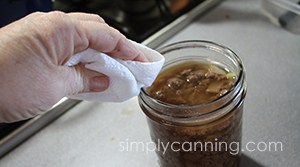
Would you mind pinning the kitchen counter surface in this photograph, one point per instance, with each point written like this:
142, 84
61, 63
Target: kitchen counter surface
100, 134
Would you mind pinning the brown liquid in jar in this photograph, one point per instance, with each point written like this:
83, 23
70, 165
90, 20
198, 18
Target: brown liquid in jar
191, 83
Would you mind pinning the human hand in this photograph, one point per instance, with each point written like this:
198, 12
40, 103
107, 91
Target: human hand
33, 51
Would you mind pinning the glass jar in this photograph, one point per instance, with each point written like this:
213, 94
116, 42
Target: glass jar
203, 135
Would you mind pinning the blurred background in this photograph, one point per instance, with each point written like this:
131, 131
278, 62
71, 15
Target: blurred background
137, 19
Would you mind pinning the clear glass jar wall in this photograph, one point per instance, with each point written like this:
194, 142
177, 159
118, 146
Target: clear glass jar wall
201, 135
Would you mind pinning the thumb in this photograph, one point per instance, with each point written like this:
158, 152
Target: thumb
80, 79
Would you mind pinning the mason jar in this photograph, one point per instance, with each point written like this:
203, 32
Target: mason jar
206, 135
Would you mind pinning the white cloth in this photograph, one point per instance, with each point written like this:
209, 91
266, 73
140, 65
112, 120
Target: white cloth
126, 77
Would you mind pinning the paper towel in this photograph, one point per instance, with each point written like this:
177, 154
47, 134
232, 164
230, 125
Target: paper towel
126, 77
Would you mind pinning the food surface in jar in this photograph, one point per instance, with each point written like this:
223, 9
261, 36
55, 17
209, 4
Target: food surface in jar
191, 83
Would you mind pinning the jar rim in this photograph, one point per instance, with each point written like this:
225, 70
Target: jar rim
211, 46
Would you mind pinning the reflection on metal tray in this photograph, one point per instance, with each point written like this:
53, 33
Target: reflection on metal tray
11, 135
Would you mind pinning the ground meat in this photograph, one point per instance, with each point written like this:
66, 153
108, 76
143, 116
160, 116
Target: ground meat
193, 83
192, 78
195, 76
186, 72
211, 75
175, 83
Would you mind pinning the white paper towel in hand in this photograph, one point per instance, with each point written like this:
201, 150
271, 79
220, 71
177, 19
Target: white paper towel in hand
126, 77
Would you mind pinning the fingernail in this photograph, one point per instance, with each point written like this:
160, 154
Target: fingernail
99, 83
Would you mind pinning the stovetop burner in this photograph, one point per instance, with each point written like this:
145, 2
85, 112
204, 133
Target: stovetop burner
137, 19
137, 24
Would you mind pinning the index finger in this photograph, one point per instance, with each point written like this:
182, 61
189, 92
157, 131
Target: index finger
86, 17
106, 39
